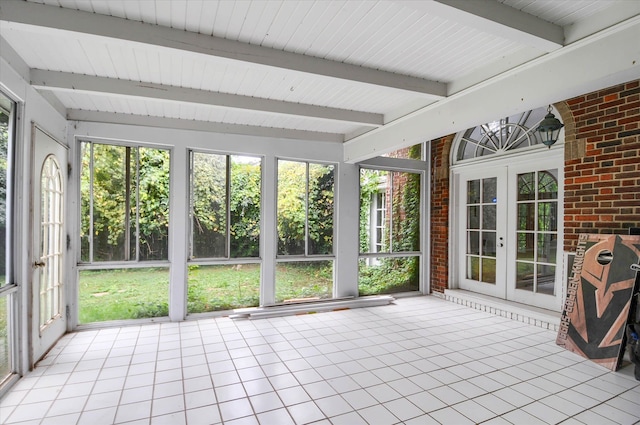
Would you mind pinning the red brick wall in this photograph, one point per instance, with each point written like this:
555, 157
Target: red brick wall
602, 175
440, 213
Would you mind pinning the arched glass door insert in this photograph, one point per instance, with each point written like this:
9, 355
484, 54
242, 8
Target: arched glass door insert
51, 237
507, 214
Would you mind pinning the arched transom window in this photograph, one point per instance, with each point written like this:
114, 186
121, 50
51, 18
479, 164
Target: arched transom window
500, 136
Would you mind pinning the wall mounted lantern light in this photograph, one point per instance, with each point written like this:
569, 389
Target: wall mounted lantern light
549, 128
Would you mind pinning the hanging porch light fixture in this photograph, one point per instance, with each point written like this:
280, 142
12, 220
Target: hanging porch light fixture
549, 128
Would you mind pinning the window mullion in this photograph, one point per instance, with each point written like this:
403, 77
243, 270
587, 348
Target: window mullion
306, 213
228, 209
137, 204
391, 215
91, 215
127, 203
191, 214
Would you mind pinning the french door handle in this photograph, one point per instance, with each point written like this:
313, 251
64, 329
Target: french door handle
39, 264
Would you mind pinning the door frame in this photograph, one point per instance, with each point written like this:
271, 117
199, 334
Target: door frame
36, 352
537, 158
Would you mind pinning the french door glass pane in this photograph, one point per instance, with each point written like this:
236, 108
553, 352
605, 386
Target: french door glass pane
473, 192
489, 244
489, 190
546, 279
489, 270
548, 184
473, 243
526, 188
473, 268
526, 246
524, 275
526, 216
548, 216
489, 217
473, 217
547, 247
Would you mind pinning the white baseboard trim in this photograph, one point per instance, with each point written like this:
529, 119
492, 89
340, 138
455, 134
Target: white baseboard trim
523, 313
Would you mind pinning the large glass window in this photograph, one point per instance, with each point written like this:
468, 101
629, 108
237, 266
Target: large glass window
224, 270
389, 231
305, 216
225, 206
124, 203
124, 213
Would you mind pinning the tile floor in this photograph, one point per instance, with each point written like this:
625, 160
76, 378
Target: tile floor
421, 361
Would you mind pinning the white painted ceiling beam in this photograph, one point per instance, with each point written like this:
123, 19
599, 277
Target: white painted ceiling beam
90, 24
495, 18
601, 60
208, 126
54, 80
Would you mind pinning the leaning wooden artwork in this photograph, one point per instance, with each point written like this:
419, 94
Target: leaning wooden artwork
600, 289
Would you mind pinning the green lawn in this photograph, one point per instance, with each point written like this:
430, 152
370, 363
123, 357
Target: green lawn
123, 294
143, 293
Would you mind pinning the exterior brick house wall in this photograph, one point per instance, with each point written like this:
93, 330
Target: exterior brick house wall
602, 172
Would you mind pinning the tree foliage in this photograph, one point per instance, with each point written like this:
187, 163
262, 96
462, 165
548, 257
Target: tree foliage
305, 208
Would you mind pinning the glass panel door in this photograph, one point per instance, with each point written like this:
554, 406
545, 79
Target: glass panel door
49, 242
534, 262
482, 232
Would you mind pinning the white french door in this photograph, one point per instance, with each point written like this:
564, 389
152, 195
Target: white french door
482, 195
509, 229
49, 184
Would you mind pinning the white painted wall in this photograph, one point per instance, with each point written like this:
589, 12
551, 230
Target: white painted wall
31, 108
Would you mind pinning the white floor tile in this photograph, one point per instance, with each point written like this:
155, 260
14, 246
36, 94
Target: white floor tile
333, 406
134, 411
206, 415
265, 402
351, 418
293, 395
278, 416
449, 415
305, 413
235, 409
474, 411
378, 415
230, 392
403, 409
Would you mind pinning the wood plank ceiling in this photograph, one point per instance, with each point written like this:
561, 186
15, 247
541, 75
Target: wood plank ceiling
370, 74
